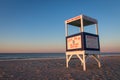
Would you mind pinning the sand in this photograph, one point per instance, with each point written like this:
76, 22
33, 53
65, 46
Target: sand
54, 69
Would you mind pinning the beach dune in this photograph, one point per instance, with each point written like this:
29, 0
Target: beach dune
54, 69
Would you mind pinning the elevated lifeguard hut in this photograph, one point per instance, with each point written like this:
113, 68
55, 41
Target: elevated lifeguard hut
82, 44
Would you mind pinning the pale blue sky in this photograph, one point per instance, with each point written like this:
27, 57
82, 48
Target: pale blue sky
38, 25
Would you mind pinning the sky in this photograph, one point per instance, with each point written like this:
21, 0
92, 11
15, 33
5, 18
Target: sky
38, 25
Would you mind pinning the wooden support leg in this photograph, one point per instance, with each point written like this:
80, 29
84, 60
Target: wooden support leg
68, 59
81, 60
84, 63
99, 64
96, 57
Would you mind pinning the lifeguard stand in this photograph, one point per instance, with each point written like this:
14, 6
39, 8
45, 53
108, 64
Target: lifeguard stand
82, 44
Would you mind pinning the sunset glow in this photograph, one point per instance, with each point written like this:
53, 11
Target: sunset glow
38, 26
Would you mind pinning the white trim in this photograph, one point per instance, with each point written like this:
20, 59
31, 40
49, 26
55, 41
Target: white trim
82, 28
66, 29
82, 55
96, 25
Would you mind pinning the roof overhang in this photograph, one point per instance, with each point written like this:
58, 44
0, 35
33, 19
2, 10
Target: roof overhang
76, 21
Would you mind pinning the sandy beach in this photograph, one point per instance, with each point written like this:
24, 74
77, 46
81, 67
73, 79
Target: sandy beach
54, 69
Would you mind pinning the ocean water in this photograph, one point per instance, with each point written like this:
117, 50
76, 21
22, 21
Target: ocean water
110, 54
9, 56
